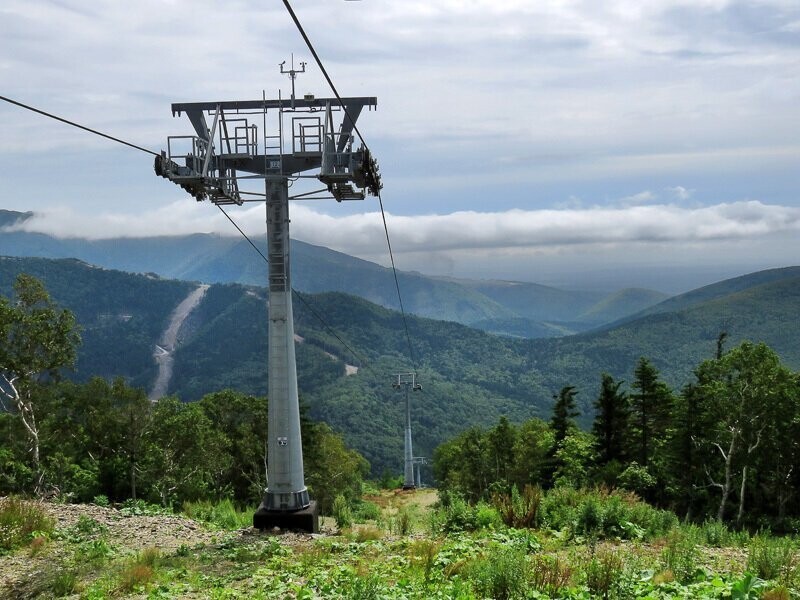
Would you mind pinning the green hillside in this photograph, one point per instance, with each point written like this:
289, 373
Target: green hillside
718, 290
534, 301
121, 315
621, 304
469, 376
472, 377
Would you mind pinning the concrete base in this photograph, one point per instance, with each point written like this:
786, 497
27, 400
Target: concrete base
306, 519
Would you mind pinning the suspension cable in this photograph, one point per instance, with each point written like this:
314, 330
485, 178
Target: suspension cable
363, 140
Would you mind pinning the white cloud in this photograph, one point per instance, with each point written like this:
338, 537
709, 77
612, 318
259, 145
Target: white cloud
362, 234
680, 192
645, 197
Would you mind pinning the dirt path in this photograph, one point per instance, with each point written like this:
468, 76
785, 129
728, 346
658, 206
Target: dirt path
163, 351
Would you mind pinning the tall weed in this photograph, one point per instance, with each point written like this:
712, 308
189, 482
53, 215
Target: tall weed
342, 513
680, 555
500, 573
519, 510
772, 558
603, 573
20, 522
223, 514
550, 574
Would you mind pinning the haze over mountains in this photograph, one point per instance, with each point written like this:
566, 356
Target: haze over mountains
504, 307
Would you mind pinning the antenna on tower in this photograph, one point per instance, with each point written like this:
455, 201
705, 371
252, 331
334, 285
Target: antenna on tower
292, 73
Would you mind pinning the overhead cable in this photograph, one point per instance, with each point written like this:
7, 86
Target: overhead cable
296, 293
74, 124
380, 200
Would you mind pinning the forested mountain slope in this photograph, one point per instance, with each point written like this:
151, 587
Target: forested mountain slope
121, 315
716, 290
469, 377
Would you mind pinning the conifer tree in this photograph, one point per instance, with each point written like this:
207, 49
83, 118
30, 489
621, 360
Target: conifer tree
611, 421
651, 406
564, 413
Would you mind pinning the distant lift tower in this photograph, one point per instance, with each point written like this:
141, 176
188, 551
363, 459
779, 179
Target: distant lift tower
301, 138
408, 381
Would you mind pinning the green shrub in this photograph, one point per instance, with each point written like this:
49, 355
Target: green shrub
15, 476
77, 482
772, 558
389, 481
500, 573
590, 517
486, 516
603, 572
366, 511
636, 478
20, 522
715, 533
519, 510
680, 555
653, 521
558, 506
342, 513
101, 500
602, 513
458, 515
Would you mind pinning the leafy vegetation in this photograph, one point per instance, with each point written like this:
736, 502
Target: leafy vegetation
728, 441
372, 561
21, 523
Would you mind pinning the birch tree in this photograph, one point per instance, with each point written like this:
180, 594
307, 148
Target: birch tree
37, 340
745, 390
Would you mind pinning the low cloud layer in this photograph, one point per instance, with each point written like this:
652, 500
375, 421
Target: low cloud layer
362, 234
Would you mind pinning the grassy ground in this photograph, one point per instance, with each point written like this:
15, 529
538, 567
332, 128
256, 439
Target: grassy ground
93, 552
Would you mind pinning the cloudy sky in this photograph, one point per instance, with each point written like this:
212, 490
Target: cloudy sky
575, 143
